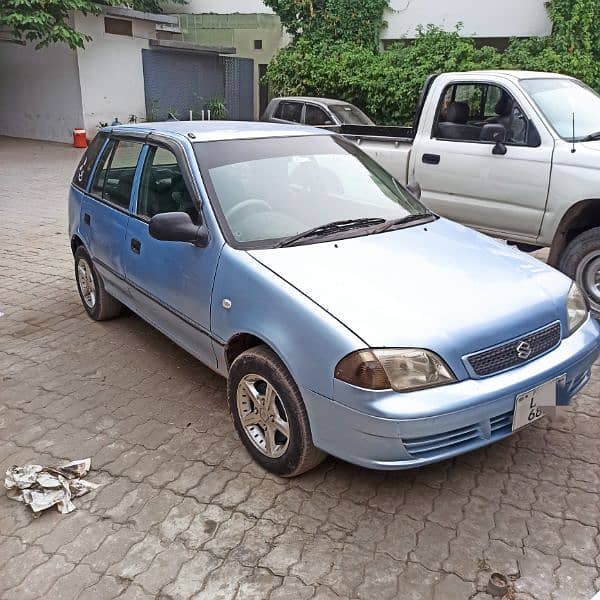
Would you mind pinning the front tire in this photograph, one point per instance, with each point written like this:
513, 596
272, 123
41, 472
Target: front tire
269, 414
98, 304
581, 262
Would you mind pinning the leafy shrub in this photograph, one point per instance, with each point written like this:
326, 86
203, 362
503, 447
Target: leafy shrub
329, 61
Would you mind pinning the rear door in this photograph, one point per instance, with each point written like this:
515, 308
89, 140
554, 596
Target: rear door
105, 212
461, 179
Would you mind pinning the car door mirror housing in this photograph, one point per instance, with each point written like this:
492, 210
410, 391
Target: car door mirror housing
177, 227
495, 132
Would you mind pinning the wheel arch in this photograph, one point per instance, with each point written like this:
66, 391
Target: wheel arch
240, 342
580, 217
76, 241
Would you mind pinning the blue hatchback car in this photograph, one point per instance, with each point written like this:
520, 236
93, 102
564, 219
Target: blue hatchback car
347, 318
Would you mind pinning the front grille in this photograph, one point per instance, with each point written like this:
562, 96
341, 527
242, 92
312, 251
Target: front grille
506, 356
459, 439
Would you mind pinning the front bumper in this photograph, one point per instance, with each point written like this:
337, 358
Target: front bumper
388, 430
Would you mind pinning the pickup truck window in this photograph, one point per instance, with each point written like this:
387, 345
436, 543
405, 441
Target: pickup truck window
560, 99
466, 107
269, 189
113, 181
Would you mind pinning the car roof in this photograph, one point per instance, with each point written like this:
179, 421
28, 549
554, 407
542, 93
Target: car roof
209, 131
514, 74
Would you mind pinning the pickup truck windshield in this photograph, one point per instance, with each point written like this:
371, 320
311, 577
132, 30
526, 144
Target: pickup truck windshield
559, 99
267, 190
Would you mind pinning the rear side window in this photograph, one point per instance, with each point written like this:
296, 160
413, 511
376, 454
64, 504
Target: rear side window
113, 181
289, 111
316, 116
86, 164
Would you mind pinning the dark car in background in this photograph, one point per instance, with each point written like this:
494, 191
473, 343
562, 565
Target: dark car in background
319, 112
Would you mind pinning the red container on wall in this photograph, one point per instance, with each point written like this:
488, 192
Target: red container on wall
79, 139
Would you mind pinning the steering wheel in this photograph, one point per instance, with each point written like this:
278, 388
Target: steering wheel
233, 212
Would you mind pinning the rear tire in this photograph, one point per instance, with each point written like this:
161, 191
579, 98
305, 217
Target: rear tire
581, 262
98, 304
269, 414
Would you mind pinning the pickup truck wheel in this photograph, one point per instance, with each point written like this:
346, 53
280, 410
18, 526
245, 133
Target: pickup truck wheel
269, 414
98, 304
581, 262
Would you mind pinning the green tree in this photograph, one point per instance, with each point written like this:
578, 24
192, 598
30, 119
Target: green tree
48, 22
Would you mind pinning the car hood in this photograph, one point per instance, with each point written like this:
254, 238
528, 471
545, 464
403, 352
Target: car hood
440, 286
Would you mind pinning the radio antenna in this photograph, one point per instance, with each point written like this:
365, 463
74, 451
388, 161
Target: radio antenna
573, 138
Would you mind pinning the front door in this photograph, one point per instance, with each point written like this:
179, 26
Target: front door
105, 214
170, 282
461, 179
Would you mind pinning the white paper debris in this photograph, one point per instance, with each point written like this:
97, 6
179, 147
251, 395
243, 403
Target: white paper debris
43, 487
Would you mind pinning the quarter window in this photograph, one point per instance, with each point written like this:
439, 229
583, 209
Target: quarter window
86, 164
163, 188
114, 178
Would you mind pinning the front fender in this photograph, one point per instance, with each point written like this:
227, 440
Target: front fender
308, 340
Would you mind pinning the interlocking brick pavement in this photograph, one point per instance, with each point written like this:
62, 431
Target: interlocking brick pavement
183, 512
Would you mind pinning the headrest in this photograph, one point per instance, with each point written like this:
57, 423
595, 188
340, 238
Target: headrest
458, 112
504, 105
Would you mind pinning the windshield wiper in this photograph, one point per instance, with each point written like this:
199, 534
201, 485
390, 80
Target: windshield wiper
591, 137
329, 228
388, 225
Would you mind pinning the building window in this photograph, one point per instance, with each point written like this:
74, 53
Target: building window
118, 26
258, 44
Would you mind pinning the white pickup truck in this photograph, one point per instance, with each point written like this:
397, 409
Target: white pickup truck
513, 154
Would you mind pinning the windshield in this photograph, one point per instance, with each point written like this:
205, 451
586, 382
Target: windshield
350, 115
559, 99
266, 190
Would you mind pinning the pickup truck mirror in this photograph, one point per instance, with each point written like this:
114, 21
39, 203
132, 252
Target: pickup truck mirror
494, 132
177, 227
415, 189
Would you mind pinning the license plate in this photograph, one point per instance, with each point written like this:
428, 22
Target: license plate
529, 406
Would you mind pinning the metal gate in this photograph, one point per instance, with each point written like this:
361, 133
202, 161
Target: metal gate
180, 81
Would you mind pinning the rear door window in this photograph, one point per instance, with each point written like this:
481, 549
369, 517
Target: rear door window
289, 111
316, 116
113, 181
86, 164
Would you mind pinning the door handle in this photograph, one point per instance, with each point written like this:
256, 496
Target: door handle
86, 218
431, 159
136, 245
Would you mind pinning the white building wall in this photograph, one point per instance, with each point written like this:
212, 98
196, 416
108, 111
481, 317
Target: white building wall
480, 18
110, 72
221, 7
39, 92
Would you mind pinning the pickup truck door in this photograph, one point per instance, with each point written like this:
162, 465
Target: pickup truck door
460, 177
170, 282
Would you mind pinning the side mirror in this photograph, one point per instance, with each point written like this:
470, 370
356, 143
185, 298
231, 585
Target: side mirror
415, 189
495, 132
177, 227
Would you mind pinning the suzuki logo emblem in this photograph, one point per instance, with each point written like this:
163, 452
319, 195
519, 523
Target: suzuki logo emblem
524, 350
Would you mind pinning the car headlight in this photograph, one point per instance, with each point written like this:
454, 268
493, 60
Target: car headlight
577, 308
402, 370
